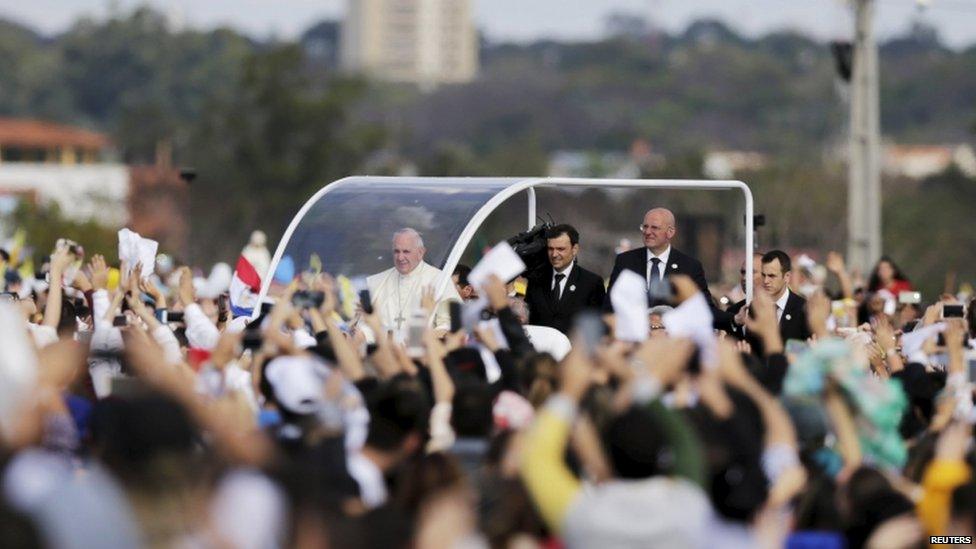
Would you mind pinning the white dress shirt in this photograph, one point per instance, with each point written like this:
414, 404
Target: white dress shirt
562, 283
781, 304
660, 266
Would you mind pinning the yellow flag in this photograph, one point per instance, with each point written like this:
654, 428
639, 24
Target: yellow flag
347, 295
17, 245
315, 263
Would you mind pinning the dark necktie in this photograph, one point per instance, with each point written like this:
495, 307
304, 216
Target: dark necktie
655, 270
653, 282
555, 287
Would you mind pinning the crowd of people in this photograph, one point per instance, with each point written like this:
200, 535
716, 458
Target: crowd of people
138, 412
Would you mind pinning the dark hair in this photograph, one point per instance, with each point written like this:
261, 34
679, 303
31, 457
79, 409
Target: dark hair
396, 413
5, 255
540, 374
471, 415
874, 282
68, 322
778, 255
462, 272
424, 476
564, 229
635, 444
871, 501
131, 433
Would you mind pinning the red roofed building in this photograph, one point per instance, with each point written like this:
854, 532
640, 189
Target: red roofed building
53, 163
24, 140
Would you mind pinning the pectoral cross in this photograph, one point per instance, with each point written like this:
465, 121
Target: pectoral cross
399, 320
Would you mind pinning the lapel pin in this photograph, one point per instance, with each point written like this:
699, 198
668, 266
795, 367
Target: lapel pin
788, 317
572, 288
674, 265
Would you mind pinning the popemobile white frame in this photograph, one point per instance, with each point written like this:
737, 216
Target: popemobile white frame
530, 184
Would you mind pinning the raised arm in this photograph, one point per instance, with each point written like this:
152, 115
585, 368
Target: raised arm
547, 478
52, 310
835, 264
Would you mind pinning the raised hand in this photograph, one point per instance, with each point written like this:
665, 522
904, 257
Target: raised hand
149, 287
99, 272
427, 301
326, 284
496, 292
955, 334
835, 263
487, 336
81, 282
884, 335
60, 260
684, 287
186, 293
764, 322
133, 282
576, 375
932, 314
818, 311
665, 358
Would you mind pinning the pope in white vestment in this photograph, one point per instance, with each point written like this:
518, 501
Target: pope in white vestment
396, 293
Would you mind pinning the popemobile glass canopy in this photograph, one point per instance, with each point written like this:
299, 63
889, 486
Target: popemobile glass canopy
347, 226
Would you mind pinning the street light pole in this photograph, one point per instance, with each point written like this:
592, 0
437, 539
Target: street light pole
864, 170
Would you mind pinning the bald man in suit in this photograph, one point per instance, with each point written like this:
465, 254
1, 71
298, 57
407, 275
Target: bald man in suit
657, 258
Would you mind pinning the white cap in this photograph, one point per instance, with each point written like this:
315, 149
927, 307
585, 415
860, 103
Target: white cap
297, 382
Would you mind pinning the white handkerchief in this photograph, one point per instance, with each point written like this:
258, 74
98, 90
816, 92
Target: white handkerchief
128, 246
501, 261
146, 253
912, 342
135, 249
629, 299
693, 319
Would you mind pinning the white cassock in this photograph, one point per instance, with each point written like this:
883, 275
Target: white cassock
396, 296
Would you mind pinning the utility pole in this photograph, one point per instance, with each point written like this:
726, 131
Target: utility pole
864, 170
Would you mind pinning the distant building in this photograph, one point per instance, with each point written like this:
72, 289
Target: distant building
321, 44
24, 140
921, 161
426, 42
158, 202
48, 163
53, 163
725, 164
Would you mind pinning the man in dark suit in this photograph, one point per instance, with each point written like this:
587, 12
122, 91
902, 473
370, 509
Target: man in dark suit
790, 308
565, 288
657, 259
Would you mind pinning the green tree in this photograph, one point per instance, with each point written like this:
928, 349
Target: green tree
927, 230
146, 83
263, 152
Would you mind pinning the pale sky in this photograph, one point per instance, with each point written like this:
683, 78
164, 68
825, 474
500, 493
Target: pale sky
527, 20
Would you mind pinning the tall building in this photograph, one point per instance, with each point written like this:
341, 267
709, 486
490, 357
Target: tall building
426, 42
